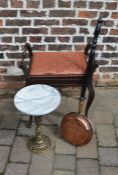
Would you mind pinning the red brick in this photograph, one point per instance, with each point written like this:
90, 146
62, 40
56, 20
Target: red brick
58, 47
63, 31
65, 4
111, 47
48, 3
6, 39
102, 62
79, 22
104, 31
18, 22
64, 39
84, 30
109, 69
62, 13
78, 39
110, 39
80, 47
87, 14
3, 70
35, 31
35, 39
1, 78
13, 78
25, 13
26, 61
3, 3
20, 39
89, 39
95, 5
16, 4
114, 62
100, 47
1, 22
7, 63
8, 13
14, 55
114, 15
11, 85
6, 47
49, 39
114, 32
32, 4
80, 4
39, 47
108, 23
93, 23
109, 54
104, 14
111, 5
46, 22
9, 30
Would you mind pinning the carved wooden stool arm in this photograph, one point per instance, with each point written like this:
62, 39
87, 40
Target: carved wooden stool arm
87, 48
27, 48
92, 65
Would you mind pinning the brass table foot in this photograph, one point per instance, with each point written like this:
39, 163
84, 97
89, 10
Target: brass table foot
39, 142
39, 147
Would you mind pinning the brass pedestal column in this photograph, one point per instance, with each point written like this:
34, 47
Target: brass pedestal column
39, 142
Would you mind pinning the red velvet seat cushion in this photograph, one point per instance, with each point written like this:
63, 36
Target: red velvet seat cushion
58, 63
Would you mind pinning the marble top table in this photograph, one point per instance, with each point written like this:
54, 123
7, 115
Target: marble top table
37, 100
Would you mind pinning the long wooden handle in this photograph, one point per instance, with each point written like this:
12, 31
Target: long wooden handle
81, 105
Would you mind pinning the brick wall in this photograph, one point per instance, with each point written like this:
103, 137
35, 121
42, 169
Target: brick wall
57, 25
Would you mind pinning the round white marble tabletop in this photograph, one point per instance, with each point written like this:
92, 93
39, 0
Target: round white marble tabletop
37, 100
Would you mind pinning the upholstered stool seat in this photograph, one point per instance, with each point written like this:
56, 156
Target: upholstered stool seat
58, 64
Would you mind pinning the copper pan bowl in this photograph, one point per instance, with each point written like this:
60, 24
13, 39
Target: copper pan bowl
76, 129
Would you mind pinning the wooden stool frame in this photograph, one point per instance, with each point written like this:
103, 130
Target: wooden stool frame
84, 81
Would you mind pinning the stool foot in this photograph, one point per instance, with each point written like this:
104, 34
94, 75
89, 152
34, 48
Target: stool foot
40, 146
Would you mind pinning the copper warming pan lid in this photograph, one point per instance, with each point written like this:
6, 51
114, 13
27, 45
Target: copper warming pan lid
76, 129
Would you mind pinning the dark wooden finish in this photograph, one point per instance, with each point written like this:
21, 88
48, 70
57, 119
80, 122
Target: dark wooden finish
84, 81
92, 65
